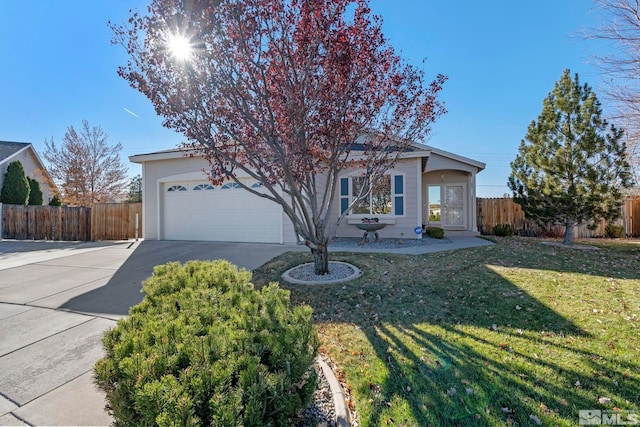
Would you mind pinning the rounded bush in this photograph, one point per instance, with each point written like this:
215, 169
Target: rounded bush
204, 348
435, 232
503, 230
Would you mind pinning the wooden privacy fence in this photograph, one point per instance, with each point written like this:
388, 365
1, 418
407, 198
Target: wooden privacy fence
109, 221
492, 212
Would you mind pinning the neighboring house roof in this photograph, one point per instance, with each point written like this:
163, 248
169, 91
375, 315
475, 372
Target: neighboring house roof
9, 149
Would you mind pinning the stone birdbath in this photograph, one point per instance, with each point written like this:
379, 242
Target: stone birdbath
370, 227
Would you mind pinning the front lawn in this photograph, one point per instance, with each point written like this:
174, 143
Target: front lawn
518, 333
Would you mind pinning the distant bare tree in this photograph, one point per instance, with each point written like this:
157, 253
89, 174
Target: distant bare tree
86, 167
620, 29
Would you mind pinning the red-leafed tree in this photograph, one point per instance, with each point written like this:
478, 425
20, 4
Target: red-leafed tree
283, 90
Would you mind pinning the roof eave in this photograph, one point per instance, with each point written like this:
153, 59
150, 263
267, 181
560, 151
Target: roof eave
161, 155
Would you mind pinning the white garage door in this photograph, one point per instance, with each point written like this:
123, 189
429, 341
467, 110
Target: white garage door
224, 213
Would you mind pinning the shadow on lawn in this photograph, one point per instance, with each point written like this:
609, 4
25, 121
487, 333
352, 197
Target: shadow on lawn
458, 344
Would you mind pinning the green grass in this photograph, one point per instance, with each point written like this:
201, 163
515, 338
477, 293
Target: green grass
482, 336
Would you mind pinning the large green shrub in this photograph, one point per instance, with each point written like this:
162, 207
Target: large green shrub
435, 232
204, 348
15, 190
614, 231
503, 230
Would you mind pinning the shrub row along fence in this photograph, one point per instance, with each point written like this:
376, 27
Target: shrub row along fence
492, 212
108, 221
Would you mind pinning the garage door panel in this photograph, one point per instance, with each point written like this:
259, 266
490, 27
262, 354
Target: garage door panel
232, 215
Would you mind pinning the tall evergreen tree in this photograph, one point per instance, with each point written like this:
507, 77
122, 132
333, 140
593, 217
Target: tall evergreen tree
572, 165
35, 192
15, 190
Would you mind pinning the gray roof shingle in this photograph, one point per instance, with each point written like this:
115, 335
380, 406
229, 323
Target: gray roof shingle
8, 148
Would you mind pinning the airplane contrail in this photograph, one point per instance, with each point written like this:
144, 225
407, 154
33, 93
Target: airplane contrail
131, 112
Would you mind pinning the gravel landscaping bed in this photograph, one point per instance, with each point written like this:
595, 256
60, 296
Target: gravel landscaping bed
321, 410
305, 273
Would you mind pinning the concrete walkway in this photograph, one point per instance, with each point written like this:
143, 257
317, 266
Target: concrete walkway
58, 298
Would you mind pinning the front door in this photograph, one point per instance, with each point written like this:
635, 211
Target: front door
453, 206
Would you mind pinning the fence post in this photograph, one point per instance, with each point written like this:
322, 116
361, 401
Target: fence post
136, 227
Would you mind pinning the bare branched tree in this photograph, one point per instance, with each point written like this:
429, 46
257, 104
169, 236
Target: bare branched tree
620, 30
86, 167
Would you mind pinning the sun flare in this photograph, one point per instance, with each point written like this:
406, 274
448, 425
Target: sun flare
180, 47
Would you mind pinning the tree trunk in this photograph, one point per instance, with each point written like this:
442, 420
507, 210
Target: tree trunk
320, 259
568, 233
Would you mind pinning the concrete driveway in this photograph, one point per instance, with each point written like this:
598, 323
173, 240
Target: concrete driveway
56, 301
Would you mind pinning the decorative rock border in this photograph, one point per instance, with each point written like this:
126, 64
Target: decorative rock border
345, 273
339, 403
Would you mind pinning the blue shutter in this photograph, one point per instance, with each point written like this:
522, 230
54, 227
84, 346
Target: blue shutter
398, 187
344, 204
344, 195
344, 186
399, 205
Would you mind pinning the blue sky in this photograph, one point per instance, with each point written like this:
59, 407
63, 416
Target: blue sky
502, 58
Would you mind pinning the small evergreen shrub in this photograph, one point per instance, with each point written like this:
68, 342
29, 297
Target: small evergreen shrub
55, 201
205, 348
435, 232
614, 231
503, 230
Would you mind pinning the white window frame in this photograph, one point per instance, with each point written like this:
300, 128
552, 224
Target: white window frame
350, 197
